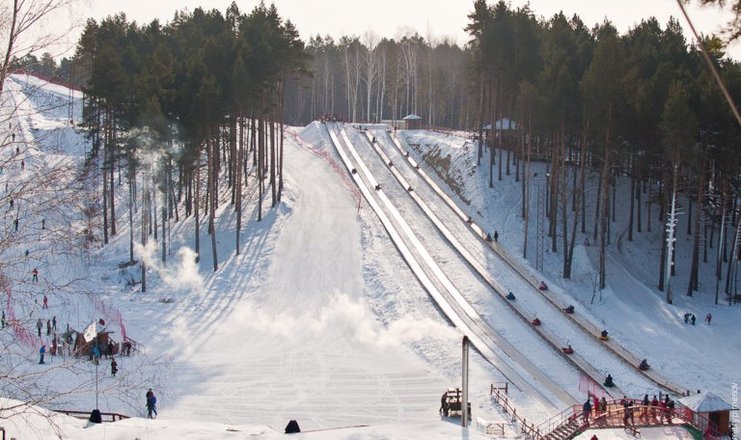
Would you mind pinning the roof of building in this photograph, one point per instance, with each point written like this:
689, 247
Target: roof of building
412, 117
705, 402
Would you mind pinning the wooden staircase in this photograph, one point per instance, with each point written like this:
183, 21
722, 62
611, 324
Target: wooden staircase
566, 431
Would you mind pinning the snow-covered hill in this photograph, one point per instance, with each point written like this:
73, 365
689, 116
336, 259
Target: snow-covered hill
318, 318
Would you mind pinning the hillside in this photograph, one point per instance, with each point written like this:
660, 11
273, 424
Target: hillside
318, 318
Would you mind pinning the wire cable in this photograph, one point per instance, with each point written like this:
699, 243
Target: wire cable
711, 66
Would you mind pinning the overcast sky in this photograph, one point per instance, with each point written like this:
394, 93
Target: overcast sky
428, 17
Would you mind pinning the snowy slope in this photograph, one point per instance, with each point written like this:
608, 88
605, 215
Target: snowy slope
318, 318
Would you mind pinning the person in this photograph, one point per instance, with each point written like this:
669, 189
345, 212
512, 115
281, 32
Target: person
488, 236
54, 346
608, 381
110, 348
595, 405
603, 335
46, 300
39, 326
95, 354
686, 318
42, 350
692, 319
543, 286
586, 409
662, 410
496, 235
48, 327
643, 365
3, 319
15, 222
603, 404
54, 323
708, 317
35, 275
114, 367
23, 164
631, 411
126, 348
654, 406
626, 407
444, 404
646, 402
510, 296
151, 404
43, 223
594, 437
569, 309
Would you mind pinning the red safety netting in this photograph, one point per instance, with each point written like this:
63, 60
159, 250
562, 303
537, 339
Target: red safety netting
21, 333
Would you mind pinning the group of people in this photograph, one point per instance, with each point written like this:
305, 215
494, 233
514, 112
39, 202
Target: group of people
658, 410
51, 324
599, 407
689, 318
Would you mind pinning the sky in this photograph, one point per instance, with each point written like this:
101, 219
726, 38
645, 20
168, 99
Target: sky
438, 18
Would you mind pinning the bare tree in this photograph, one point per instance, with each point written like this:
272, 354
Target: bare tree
371, 68
18, 22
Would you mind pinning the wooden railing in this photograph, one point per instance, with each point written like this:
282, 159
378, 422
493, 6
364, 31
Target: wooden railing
106, 417
501, 399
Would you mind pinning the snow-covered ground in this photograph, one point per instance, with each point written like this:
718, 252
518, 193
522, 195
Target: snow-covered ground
319, 318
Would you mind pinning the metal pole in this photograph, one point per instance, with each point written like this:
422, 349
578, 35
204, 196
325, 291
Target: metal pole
96, 386
464, 395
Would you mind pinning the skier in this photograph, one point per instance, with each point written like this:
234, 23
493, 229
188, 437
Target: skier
46, 300
692, 319
35, 279
496, 236
687, 318
114, 367
39, 325
48, 327
42, 350
54, 323
708, 317
151, 404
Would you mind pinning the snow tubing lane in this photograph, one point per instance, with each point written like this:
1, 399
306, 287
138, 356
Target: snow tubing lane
586, 325
460, 318
579, 362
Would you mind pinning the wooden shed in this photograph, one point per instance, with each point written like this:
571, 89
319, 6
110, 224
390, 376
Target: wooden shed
412, 122
709, 412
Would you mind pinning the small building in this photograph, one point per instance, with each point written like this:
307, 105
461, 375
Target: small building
708, 410
409, 122
412, 122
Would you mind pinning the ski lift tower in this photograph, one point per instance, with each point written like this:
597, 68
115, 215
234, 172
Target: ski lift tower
671, 226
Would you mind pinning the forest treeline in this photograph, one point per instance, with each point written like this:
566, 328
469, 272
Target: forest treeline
213, 91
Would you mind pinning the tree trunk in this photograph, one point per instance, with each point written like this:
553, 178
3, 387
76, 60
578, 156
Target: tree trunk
211, 152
